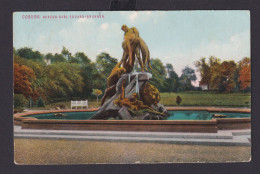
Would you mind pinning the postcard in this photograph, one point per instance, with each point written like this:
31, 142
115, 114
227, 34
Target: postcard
132, 87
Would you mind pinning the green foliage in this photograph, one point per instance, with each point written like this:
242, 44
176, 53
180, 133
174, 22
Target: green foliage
105, 63
40, 102
19, 101
28, 53
97, 92
71, 76
82, 58
220, 76
63, 80
159, 74
189, 73
91, 79
65, 51
59, 58
171, 83
204, 68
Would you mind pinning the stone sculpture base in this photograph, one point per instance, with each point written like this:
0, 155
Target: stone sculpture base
135, 82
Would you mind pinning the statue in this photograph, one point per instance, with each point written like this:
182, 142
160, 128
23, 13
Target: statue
130, 94
150, 95
132, 45
112, 79
134, 105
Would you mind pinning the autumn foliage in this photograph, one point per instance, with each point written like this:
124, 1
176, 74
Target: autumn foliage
225, 76
23, 77
245, 73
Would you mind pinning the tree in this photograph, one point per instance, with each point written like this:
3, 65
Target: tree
49, 57
23, 77
58, 58
159, 74
171, 83
228, 72
65, 52
222, 75
28, 53
82, 57
97, 93
19, 101
204, 70
64, 80
105, 63
39, 81
245, 73
40, 103
91, 79
188, 75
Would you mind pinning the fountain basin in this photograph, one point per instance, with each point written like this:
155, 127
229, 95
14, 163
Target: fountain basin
28, 121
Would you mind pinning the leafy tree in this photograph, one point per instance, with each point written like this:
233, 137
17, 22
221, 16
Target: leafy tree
171, 83
49, 57
97, 93
28, 53
38, 82
204, 70
58, 58
105, 63
40, 103
91, 79
19, 101
228, 72
188, 75
65, 53
223, 75
64, 80
23, 77
245, 73
82, 57
159, 74
185, 83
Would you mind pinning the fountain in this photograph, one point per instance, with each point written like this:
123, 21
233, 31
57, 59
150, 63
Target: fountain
138, 99
133, 103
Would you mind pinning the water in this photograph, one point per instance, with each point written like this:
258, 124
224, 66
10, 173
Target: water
68, 116
174, 115
202, 115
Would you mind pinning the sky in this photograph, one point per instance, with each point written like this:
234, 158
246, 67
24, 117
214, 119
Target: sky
176, 37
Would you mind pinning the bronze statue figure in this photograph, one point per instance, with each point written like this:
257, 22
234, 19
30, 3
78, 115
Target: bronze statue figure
112, 80
139, 100
132, 45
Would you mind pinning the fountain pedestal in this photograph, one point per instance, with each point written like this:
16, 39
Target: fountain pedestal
135, 83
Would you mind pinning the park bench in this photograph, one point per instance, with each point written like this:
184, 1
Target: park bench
80, 104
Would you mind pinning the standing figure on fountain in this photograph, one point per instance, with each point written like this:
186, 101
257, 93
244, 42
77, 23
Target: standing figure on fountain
132, 45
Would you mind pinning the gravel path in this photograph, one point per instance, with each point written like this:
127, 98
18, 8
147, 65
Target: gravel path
34, 151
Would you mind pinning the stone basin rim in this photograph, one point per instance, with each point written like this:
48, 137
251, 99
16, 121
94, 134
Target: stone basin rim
21, 116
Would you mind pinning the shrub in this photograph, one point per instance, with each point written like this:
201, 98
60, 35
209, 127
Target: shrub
40, 103
19, 101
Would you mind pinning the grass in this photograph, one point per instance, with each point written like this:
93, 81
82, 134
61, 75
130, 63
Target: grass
193, 98
37, 152
205, 98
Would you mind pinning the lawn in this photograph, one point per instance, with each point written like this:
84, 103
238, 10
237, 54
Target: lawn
205, 98
193, 98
